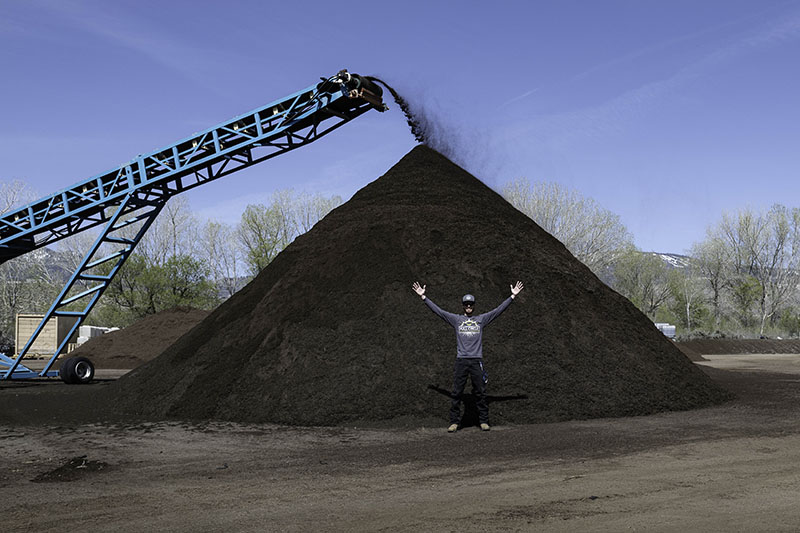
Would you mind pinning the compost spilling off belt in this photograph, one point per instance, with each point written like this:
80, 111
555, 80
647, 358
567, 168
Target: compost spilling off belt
331, 332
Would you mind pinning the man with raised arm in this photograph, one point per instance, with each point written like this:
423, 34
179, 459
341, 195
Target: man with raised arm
469, 353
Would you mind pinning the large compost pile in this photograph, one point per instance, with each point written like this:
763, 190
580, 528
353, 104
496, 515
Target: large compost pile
331, 332
142, 340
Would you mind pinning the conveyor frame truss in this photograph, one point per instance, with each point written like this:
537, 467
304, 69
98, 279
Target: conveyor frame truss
138, 190
94, 274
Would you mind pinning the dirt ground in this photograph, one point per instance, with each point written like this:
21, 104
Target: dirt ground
732, 467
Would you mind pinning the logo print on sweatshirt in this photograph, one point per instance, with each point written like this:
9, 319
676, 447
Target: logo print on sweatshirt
469, 328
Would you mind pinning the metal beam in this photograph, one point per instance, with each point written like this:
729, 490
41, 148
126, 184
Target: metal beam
145, 184
92, 294
276, 128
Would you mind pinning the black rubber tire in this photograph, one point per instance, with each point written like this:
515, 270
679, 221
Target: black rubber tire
76, 371
67, 370
82, 371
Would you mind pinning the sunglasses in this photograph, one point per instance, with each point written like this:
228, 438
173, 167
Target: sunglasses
468, 304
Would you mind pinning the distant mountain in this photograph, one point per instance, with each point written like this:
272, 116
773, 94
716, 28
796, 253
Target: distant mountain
54, 263
673, 260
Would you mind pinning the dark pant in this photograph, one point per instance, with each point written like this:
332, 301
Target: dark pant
474, 369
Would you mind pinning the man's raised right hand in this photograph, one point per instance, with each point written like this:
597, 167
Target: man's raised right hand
419, 289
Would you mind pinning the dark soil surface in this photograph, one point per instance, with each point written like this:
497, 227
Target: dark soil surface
729, 467
740, 346
690, 352
141, 341
331, 332
73, 470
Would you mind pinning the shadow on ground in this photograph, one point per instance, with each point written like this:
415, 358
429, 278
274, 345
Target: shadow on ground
469, 417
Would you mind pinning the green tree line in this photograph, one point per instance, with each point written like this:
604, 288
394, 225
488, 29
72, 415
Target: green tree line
741, 280
180, 261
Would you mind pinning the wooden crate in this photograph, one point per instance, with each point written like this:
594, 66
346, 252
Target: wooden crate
51, 336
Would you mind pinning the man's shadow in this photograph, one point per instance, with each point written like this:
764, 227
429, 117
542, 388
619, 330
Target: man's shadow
470, 416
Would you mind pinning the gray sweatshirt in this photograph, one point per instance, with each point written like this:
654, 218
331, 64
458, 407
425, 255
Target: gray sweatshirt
469, 329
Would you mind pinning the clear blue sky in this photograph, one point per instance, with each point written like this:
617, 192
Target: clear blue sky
665, 112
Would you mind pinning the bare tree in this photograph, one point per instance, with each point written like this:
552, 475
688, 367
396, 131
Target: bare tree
218, 250
14, 193
265, 230
72, 251
263, 233
643, 278
593, 234
779, 260
20, 288
311, 208
689, 292
173, 233
764, 256
16, 293
710, 259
